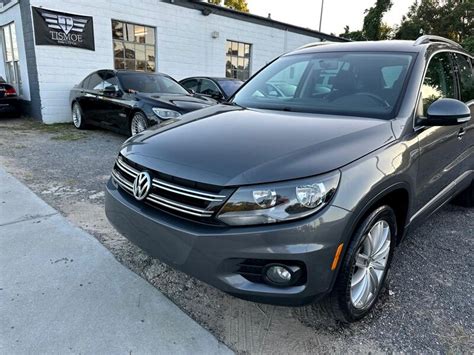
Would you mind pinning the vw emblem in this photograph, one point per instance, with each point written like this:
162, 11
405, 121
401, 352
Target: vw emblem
141, 185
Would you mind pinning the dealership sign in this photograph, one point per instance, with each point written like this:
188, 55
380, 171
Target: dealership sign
61, 29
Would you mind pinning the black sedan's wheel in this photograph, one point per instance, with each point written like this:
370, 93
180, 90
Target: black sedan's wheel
364, 268
77, 116
138, 124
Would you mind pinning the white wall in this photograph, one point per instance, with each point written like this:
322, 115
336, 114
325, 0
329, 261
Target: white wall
8, 14
184, 45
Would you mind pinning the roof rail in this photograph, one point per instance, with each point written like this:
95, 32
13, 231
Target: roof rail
314, 44
430, 38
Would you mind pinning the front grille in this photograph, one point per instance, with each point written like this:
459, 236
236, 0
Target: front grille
177, 196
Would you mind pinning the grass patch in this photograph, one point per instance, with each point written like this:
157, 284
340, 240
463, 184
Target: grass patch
29, 124
69, 136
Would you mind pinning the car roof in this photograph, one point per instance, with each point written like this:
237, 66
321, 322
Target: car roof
215, 78
376, 46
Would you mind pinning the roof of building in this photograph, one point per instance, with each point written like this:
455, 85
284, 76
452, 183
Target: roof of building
208, 9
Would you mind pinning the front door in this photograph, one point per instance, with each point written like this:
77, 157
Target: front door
440, 147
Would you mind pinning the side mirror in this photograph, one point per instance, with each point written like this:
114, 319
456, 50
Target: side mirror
446, 112
217, 96
111, 90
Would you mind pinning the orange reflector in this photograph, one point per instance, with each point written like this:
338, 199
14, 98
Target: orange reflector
336, 257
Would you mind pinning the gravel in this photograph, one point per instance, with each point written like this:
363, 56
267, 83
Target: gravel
427, 306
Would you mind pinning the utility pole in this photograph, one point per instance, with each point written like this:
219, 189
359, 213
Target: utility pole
321, 16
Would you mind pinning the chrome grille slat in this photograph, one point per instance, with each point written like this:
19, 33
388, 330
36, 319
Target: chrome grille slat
194, 192
185, 193
174, 206
122, 182
171, 195
127, 168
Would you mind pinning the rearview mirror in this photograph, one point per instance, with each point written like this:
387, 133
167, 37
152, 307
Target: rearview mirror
446, 112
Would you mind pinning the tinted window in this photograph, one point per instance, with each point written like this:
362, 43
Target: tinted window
466, 77
230, 86
191, 84
150, 83
110, 79
208, 88
94, 82
342, 83
439, 80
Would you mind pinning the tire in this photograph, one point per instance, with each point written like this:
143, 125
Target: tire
78, 119
466, 197
138, 123
342, 303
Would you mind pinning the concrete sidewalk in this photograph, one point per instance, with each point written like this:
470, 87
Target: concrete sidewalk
62, 292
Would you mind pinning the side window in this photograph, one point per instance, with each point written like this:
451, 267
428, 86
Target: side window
439, 81
95, 82
110, 79
208, 88
466, 77
191, 84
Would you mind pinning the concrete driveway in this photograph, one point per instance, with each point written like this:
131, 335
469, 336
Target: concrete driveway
62, 292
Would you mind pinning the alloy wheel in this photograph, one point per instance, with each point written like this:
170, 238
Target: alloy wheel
138, 124
76, 115
370, 265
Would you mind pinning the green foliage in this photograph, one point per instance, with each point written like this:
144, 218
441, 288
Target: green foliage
352, 35
239, 5
468, 44
374, 29
448, 18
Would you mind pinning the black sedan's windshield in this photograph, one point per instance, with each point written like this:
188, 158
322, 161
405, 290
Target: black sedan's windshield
342, 83
150, 83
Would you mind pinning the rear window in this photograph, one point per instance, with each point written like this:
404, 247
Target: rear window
365, 84
150, 83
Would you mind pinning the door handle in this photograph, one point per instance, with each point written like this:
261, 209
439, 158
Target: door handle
461, 133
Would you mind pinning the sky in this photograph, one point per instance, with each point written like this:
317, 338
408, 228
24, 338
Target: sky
337, 13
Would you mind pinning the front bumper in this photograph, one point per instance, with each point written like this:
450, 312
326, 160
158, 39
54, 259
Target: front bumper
208, 252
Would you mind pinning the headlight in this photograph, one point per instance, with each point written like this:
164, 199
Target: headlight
165, 114
279, 202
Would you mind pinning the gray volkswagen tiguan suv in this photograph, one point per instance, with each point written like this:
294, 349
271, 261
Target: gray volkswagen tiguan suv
299, 189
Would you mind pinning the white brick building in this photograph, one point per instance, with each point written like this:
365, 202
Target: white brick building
176, 37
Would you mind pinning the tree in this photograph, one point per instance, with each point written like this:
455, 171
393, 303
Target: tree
448, 18
239, 5
352, 35
374, 29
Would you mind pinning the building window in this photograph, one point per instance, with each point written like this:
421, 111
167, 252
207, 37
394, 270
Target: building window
10, 53
134, 46
238, 60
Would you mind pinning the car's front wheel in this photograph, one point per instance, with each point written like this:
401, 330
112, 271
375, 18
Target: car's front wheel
364, 268
77, 116
138, 123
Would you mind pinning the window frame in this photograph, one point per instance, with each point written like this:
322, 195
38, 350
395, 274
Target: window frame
415, 118
248, 71
123, 42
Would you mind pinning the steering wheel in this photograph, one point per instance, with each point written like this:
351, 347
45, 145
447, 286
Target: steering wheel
375, 97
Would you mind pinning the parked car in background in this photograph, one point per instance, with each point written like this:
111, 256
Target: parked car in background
220, 89
303, 197
9, 100
130, 102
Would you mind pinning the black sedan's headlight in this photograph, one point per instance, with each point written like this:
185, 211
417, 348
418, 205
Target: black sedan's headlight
279, 202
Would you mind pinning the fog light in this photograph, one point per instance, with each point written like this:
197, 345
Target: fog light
282, 275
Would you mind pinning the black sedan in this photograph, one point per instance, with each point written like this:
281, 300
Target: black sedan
9, 100
130, 102
220, 89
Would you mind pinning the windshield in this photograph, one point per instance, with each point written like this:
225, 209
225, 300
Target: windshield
342, 83
230, 86
150, 83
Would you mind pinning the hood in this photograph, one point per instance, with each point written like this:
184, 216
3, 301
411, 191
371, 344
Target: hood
231, 146
181, 103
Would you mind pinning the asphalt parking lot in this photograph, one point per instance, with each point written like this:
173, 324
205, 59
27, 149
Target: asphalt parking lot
426, 308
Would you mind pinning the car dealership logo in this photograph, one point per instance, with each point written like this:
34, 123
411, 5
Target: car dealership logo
64, 23
141, 185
